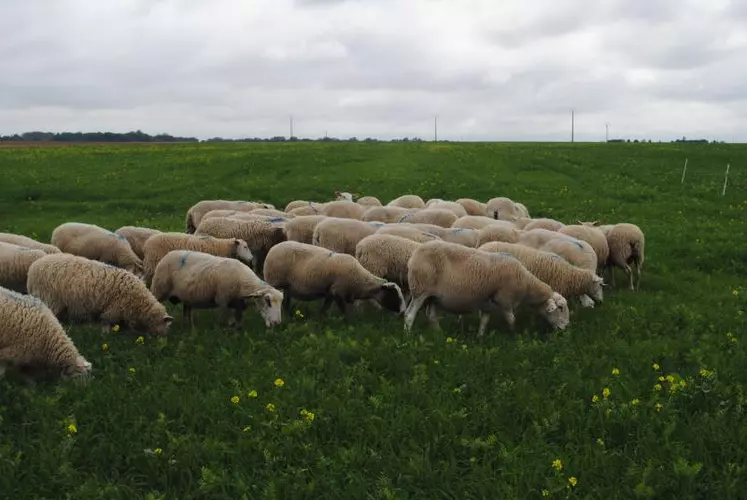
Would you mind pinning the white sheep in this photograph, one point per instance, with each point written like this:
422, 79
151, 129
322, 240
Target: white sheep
544, 223
308, 272
436, 216
14, 265
96, 243
159, 245
522, 209
497, 232
200, 280
369, 201
386, 256
452, 206
82, 290
408, 231
408, 201
594, 237
463, 280
343, 196
473, 207
295, 204
259, 235
25, 241
458, 235
136, 237
343, 209
503, 208
479, 222
562, 276
196, 211
535, 238
310, 208
32, 340
301, 228
342, 235
269, 212
626, 244
388, 214
577, 252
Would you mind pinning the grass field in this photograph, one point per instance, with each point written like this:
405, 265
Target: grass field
643, 396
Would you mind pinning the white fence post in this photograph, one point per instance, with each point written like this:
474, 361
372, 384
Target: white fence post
726, 179
684, 169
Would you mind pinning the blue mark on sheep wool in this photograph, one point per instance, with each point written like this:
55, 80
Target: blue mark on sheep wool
183, 261
276, 219
457, 229
404, 217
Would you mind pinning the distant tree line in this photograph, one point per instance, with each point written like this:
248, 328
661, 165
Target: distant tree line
684, 139
136, 136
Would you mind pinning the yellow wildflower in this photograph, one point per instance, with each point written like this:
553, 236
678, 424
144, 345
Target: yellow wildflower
635, 402
132, 370
235, 400
573, 481
450, 340
657, 387
105, 347
615, 372
670, 379
252, 394
658, 406
705, 372
735, 292
656, 366
140, 340
606, 392
158, 451
115, 328
299, 314
661, 379
457, 390
72, 428
279, 382
270, 407
247, 428
557, 464
307, 415
594, 398
600, 441
545, 493
683, 384
464, 347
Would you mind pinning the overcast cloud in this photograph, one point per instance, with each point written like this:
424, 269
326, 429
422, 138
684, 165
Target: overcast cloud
491, 70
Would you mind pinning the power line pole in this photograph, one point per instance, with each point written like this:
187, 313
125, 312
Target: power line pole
291, 127
435, 129
573, 124
606, 132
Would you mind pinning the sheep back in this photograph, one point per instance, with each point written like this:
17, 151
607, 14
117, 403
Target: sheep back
14, 265
25, 241
136, 237
96, 243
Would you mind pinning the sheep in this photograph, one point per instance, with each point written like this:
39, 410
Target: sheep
159, 245
461, 236
81, 289
14, 265
388, 214
343, 210
473, 207
522, 222
626, 245
407, 201
538, 237
549, 224
301, 228
479, 222
436, 216
97, 243
343, 196
594, 237
497, 232
407, 231
503, 208
307, 272
577, 252
461, 280
33, 340
310, 208
196, 211
24, 241
563, 277
259, 235
386, 256
369, 201
295, 204
268, 212
452, 206
136, 237
252, 215
342, 235
201, 280
522, 209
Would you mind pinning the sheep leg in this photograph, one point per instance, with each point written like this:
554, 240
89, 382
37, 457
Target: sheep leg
326, 305
638, 267
412, 310
187, 315
629, 273
343, 308
239, 316
287, 306
484, 320
510, 317
586, 301
432, 313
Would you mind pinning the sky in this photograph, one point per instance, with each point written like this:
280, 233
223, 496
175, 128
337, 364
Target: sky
507, 70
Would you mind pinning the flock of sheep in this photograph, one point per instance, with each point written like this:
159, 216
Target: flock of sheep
456, 256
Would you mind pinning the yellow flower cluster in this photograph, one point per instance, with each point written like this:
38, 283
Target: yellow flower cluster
252, 394
615, 372
115, 328
105, 347
307, 415
235, 400
557, 464
72, 428
140, 340
279, 382
299, 314
270, 407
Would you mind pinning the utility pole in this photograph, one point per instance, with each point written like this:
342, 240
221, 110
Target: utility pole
573, 124
606, 132
291, 127
435, 129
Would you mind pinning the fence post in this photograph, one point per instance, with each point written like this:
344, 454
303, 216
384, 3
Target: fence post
684, 169
726, 179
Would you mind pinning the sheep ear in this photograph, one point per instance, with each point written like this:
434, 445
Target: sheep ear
389, 286
551, 305
168, 319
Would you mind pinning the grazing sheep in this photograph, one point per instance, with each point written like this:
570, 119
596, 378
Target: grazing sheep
503, 208
577, 252
295, 204
24, 241
259, 235
549, 224
200, 280
159, 245
462, 280
33, 340
626, 243
97, 243
479, 222
301, 228
436, 216
407, 201
535, 238
269, 212
82, 290
310, 208
342, 235
522, 209
14, 265
343, 196
343, 210
307, 272
452, 206
386, 256
196, 211
388, 214
594, 237
407, 231
458, 235
563, 277
497, 232
522, 222
473, 207
136, 237
369, 201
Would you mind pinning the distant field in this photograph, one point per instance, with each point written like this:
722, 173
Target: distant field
434, 415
